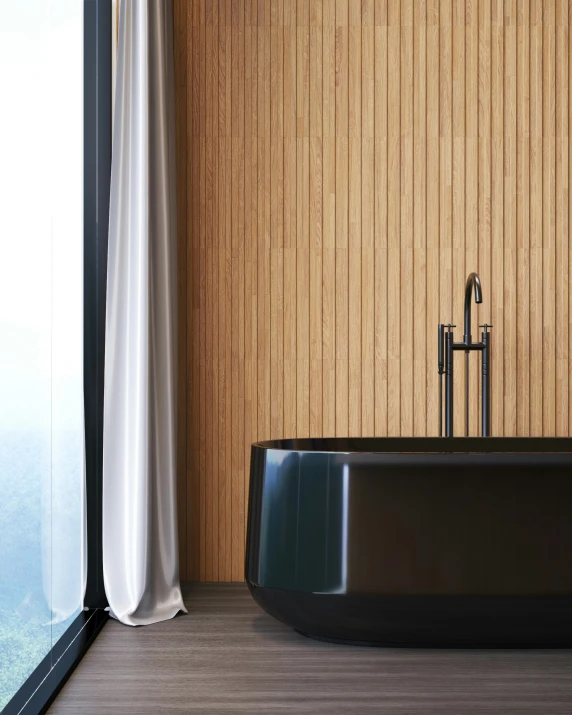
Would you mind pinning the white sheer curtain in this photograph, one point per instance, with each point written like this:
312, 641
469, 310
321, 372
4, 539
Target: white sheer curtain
140, 550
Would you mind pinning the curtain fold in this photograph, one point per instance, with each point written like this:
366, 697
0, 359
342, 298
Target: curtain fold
140, 550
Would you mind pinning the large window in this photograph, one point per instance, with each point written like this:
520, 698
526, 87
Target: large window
42, 464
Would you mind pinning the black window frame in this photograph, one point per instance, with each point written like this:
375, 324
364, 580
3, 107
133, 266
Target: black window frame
40, 689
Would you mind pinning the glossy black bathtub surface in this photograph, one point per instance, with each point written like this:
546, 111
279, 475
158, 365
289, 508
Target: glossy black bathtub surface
419, 541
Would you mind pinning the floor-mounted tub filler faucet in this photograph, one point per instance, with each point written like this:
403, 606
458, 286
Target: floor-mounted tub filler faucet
447, 347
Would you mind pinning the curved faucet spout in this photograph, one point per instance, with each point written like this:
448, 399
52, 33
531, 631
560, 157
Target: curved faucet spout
472, 280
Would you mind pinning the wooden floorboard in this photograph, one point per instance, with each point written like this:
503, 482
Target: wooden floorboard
228, 656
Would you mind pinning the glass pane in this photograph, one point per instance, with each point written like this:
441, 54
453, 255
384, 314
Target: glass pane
41, 400
66, 206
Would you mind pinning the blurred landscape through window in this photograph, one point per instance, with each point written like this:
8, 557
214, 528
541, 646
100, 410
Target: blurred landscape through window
42, 537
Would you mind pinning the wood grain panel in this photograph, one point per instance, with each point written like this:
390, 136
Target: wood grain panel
342, 166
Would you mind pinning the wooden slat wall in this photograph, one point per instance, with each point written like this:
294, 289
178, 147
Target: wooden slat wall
343, 165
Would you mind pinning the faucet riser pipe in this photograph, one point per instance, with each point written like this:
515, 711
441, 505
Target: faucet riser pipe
467, 394
441, 371
449, 384
486, 385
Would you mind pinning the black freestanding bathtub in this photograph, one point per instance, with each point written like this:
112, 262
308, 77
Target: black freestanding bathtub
417, 541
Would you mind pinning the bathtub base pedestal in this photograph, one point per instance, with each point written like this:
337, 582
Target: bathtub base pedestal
423, 621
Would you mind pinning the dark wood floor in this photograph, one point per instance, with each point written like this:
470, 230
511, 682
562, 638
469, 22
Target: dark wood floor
228, 656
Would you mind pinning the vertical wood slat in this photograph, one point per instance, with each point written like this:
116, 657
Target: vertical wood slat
303, 217
458, 236
446, 170
220, 413
419, 347
367, 219
393, 218
380, 216
471, 218
328, 218
193, 494
276, 219
536, 131
250, 191
200, 37
523, 218
341, 308
561, 321
510, 220
548, 218
209, 475
567, 141
406, 228
354, 210
237, 108
215, 290
316, 218
497, 211
263, 306
180, 35
238, 566
228, 286
290, 218
434, 314
484, 155
341, 167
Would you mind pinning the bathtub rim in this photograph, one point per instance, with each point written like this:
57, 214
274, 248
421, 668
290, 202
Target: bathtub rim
419, 445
